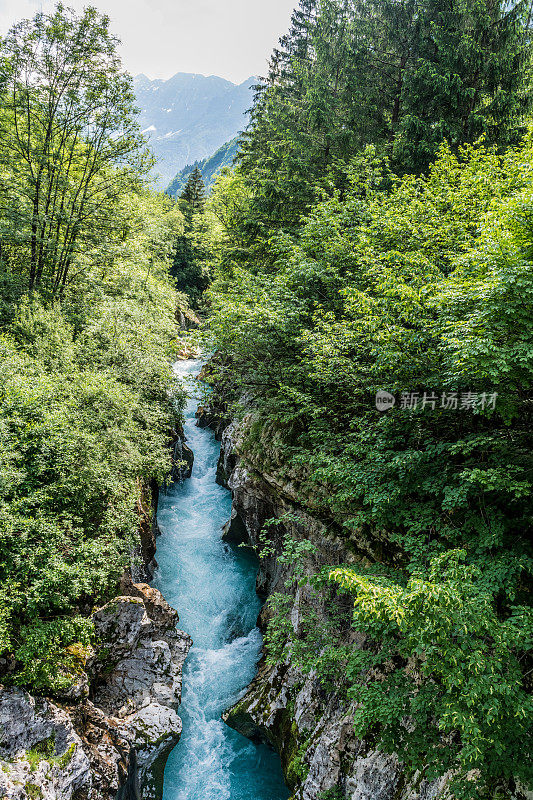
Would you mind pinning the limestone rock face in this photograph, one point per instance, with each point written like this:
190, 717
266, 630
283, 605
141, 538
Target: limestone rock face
148, 530
186, 318
182, 459
210, 417
138, 671
310, 728
119, 738
41, 755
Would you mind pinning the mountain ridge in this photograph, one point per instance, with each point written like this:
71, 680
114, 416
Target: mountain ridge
189, 116
209, 168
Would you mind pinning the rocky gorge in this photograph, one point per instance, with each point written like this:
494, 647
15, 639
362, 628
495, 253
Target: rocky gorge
311, 728
111, 731
111, 735
108, 726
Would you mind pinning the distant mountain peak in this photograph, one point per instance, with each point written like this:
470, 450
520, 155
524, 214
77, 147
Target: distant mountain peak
189, 116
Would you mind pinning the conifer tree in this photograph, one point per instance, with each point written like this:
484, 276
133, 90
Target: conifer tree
449, 71
188, 260
194, 192
400, 74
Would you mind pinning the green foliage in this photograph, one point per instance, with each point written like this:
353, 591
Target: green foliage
45, 751
279, 630
418, 284
297, 769
189, 267
64, 760
460, 667
33, 791
193, 195
332, 794
86, 419
47, 663
87, 400
41, 750
69, 143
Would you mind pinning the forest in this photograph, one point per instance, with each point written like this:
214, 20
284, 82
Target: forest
373, 239
87, 333
376, 236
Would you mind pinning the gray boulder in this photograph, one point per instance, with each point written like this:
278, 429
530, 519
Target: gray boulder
119, 737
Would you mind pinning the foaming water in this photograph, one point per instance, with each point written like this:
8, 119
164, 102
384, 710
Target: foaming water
212, 585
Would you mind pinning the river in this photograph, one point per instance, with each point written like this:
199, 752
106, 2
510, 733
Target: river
212, 585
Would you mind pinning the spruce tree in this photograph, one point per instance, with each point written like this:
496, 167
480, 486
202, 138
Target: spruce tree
451, 71
403, 75
189, 255
288, 146
194, 192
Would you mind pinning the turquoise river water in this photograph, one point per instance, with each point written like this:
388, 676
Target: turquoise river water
212, 585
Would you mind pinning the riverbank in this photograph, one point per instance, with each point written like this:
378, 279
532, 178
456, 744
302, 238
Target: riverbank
120, 722
90, 670
310, 724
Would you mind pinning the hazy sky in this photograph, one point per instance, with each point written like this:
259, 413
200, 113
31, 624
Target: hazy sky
230, 38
